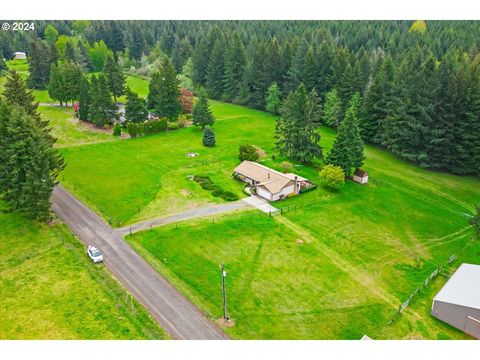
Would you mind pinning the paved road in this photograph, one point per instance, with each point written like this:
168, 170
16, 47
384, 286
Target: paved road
180, 318
186, 215
261, 204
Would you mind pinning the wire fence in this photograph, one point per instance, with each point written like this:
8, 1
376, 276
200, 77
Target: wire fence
437, 271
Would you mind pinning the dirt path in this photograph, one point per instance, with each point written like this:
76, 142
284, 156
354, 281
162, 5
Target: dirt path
178, 316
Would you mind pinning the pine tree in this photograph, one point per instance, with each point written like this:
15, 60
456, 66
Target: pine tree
53, 56
69, 52
295, 73
135, 108
164, 92
274, 64
347, 150
84, 99
377, 103
273, 100
17, 93
102, 109
29, 162
38, 65
296, 131
254, 87
202, 115
332, 109
215, 72
64, 82
115, 77
200, 59
309, 70
235, 60
208, 137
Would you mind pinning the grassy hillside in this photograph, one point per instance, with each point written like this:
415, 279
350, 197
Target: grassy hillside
51, 290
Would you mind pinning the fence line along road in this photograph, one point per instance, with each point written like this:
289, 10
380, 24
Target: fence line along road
175, 314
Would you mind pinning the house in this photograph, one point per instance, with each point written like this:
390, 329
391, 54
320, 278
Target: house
458, 301
19, 55
268, 183
360, 176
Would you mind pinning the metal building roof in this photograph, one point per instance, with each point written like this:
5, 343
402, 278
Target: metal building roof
463, 288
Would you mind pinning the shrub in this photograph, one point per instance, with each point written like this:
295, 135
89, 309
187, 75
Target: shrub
132, 129
117, 130
217, 191
332, 176
247, 152
286, 166
208, 137
229, 196
172, 126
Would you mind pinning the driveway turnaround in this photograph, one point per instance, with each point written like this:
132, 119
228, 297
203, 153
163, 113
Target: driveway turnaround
186, 215
175, 314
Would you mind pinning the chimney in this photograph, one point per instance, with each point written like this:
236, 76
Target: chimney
268, 175
296, 187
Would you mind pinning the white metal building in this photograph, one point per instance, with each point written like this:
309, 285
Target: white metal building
458, 302
19, 55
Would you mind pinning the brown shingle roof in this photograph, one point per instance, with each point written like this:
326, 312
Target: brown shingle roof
271, 179
360, 172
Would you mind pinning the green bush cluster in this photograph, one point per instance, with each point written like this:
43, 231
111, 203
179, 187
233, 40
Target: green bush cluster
207, 184
117, 130
147, 127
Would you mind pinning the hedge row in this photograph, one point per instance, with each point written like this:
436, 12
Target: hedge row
207, 184
147, 127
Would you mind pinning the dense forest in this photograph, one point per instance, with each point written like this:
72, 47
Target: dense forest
416, 85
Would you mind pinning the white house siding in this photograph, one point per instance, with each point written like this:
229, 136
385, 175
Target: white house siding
360, 180
264, 193
457, 316
285, 192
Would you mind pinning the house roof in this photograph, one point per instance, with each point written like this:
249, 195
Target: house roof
360, 172
272, 180
463, 288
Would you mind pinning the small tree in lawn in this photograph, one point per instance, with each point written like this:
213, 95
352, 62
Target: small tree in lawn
102, 110
202, 115
186, 100
84, 99
286, 166
332, 176
273, 99
115, 77
332, 109
475, 222
208, 137
135, 108
247, 152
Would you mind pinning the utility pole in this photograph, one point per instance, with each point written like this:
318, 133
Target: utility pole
224, 275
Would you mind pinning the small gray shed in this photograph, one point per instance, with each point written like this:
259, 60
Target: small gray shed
458, 302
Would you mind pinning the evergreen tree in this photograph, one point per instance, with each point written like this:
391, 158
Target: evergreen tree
50, 34
38, 65
64, 82
84, 99
69, 52
309, 70
164, 92
29, 165
347, 150
17, 93
53, 55
102, 109
84, 56
296, 131
332, 109
3, 66
135, 108
200, 60
274, 63
208, 137
115, 77
254, 87
235, 60
215, 72
295, 73
202, 115
273, 100
377, 103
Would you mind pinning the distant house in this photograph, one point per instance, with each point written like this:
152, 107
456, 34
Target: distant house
268, 183
458, 302
360, 176
19, 55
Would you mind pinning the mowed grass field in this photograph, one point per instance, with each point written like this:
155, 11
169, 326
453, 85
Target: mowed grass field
128, 181
49, 289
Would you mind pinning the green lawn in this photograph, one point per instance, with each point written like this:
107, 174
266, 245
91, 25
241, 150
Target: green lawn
49, 289
68, 131
128, 181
